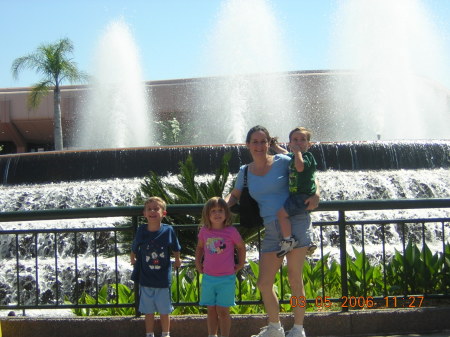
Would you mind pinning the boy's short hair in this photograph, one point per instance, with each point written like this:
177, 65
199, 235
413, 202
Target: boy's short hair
301, 129
158, 200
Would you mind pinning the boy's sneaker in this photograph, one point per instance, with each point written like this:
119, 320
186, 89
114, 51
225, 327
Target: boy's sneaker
270, 331
294, 332
311, 249
286, 246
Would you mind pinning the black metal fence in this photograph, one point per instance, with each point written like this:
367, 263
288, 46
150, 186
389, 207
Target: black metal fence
421, 276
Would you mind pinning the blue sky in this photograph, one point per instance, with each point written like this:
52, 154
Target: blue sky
171, 35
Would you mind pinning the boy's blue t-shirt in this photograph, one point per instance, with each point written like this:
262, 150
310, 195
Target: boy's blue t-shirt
270, 190
153, 251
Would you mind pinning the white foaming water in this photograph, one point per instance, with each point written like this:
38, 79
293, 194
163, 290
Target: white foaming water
245, 47
118, 113
387, 185
397, 54
334, 185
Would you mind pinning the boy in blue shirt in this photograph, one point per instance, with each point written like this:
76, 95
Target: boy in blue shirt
302, 176
151, 248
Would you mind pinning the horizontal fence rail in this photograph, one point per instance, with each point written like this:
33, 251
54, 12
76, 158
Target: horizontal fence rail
411, 275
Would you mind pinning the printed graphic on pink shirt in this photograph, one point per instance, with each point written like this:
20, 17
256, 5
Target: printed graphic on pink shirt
215, 245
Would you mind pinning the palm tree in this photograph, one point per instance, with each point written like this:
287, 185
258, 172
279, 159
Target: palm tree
53, 62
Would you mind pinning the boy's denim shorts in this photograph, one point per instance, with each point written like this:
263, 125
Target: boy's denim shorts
301, 229
155, 300
295, 204
218, 290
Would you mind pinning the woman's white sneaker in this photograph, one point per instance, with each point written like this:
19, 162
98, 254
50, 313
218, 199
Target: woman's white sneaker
270, 331
294, 332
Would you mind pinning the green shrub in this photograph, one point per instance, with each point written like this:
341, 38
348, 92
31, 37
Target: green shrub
108, 294
187, 190
418, 272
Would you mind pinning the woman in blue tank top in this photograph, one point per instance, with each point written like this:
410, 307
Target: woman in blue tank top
268, 184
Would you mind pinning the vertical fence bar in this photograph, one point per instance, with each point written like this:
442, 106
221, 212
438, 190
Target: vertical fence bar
281, 290
383, 244
96, 267
116, 266
445, 267
55, 245
426, 274
239, 279
322, 269
363, 252
177, 272
343, 256
134, 223
259, 257
405, 274
197, 275
77, 283
17, 272
36, 266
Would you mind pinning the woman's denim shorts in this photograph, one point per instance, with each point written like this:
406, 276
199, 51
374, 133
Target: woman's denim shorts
301, 229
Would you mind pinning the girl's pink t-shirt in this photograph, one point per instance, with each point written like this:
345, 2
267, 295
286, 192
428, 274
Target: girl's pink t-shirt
219, 247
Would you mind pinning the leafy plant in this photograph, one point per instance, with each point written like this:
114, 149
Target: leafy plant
363, 278
172, 132
187, 190
417, 272
109, 294
169, 131
315, 271
185, 289
246, 290
427, 273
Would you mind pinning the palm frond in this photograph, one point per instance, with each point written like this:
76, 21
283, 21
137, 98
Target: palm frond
52, 61
38, 91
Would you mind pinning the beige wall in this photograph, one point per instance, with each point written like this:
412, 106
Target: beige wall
21, 126
22, 129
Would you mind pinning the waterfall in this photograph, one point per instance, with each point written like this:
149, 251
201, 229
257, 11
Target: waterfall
137, 162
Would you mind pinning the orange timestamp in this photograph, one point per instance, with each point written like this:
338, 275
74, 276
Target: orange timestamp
359, 302
344, 302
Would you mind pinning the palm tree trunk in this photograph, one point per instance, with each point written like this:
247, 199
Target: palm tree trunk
58, 135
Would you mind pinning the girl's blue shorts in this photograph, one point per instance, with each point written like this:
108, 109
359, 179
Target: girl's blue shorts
218, 290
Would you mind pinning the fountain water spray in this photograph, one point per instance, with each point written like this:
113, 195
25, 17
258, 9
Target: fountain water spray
246, 48
396, 53
117, 112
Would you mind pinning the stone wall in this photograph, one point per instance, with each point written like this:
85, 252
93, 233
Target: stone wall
354, 323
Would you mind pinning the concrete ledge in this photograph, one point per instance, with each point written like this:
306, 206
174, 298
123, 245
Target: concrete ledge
354, 323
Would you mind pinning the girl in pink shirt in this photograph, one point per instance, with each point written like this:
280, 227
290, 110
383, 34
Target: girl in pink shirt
214, 258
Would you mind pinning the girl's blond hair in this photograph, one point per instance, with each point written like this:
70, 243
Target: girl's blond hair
210, 204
